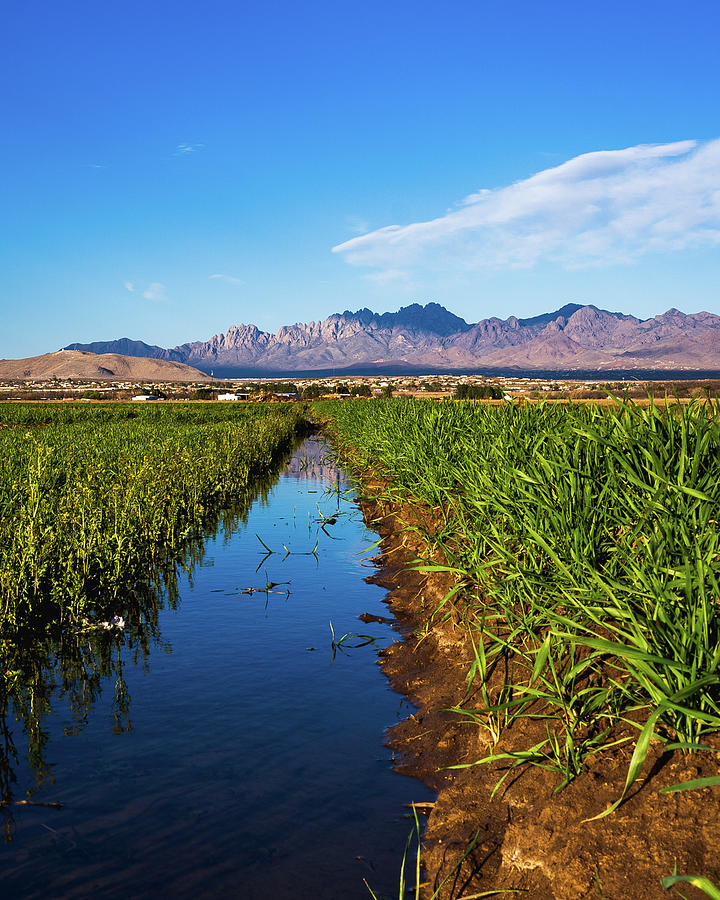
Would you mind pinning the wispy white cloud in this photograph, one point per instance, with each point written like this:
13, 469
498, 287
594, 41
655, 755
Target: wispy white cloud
600, 208
155, 292
393, 278
230, 279
185, 149
357, 225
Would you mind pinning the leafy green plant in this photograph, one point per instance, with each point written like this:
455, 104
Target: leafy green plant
343, 643
584, 546
709, 888
93, 496
403, 888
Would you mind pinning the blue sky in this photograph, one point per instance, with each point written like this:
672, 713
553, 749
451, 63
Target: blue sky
169, 169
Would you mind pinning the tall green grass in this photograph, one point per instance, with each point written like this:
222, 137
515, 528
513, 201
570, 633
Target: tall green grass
94, 497
586, 550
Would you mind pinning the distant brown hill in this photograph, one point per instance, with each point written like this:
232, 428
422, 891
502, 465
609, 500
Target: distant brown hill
97, 367
574, 337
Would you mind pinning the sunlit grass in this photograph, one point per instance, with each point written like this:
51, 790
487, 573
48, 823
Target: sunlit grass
585, 549
92, 497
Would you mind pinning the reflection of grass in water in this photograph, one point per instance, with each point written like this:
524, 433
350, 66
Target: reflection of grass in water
288, 551
404, 888
344, 643
69, 668
316, 461
70, 663
266, 589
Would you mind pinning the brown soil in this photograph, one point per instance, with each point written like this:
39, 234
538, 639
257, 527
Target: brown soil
526, 837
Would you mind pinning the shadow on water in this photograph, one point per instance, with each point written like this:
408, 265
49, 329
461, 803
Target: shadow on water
249, 761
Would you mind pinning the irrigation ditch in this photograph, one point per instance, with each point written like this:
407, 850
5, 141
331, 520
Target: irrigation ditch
554, 576
214, 729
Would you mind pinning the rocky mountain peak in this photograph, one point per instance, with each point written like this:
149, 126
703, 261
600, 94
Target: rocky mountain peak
431, 337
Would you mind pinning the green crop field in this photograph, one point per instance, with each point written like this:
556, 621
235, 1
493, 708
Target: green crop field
93, 497
585, 549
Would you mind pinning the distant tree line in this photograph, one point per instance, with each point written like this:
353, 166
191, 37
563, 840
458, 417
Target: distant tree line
312, 391
355, 390
478, 392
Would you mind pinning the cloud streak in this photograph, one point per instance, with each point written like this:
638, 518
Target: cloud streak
155, 292
605, 207
186, 149
229, 279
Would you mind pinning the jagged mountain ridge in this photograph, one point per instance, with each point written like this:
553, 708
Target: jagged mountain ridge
575, 336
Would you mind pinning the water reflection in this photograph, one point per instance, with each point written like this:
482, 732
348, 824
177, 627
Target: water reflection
316, 461
69, 668
246, 763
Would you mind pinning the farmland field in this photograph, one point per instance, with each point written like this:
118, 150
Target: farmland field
562, 574
581, 555
93, 497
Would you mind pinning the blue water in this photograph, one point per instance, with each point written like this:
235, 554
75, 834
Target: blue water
240, 759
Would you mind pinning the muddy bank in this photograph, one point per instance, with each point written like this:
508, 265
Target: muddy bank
525, 837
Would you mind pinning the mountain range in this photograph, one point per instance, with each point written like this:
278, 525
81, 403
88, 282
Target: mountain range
573, 338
